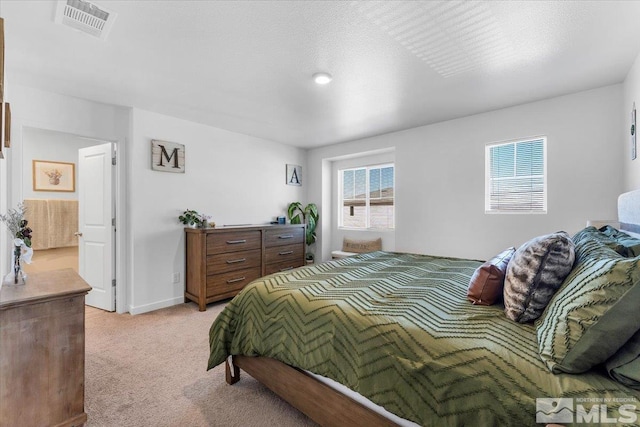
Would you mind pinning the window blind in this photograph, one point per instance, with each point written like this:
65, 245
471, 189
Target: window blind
367, 198
515, 179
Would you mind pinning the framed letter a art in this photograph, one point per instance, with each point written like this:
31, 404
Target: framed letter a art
294, 175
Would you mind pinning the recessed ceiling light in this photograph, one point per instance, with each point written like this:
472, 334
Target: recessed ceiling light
322, 78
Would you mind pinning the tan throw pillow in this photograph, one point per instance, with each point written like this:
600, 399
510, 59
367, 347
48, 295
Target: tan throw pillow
361, 246
486, 284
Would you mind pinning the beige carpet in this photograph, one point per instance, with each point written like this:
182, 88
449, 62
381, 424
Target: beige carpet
150, 370
53, 259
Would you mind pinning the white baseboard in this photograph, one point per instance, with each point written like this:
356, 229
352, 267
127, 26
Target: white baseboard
156, 305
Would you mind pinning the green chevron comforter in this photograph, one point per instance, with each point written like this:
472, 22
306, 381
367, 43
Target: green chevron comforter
398, 329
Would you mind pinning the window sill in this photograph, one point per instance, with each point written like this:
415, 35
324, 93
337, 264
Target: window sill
516, 212
377, 230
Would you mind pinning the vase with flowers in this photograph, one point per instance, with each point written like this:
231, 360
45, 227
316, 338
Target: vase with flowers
21, 244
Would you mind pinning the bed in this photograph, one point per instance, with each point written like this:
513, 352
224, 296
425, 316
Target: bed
391, 339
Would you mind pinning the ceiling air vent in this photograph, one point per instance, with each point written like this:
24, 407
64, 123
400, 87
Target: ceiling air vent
86, 17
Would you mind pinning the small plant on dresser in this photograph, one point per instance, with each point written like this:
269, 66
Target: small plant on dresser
192, 218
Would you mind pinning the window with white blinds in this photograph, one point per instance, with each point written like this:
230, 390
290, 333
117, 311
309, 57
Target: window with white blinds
516, 176
367, 197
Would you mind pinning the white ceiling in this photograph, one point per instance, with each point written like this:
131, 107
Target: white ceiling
246, 66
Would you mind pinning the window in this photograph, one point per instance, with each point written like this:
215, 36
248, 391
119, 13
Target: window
516, 177
367, 198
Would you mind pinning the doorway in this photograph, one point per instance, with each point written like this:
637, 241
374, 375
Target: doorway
54, 214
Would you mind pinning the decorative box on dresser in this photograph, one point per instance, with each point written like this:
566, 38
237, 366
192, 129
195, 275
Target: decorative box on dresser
42, 350
221, 261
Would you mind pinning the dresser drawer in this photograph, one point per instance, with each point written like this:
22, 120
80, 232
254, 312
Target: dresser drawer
277, 267
231, 261
218, 243
230, 283
222, 261
282, 236
284, 253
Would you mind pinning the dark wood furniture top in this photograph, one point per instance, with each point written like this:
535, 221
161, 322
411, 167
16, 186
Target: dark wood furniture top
221, 261
42, 350
43, 286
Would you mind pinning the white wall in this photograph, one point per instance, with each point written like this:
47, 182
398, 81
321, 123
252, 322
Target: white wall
241, 179
440, 174
37, 109
39, 144
631, 90
235, 178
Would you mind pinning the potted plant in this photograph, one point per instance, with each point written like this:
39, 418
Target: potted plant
193, 219
305, 215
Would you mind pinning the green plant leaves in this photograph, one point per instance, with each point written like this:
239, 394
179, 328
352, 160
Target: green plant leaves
190, 217
308, 215
295, 213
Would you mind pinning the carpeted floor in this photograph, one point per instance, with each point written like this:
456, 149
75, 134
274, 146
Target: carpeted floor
150, 370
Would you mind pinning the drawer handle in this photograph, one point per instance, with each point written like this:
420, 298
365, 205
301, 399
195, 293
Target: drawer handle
235, 242
286, 268
285, 253
234, 261
239, 279
286, 236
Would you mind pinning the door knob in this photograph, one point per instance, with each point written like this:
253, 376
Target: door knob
77, 233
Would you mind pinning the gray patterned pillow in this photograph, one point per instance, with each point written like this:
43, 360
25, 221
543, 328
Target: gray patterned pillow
535, 272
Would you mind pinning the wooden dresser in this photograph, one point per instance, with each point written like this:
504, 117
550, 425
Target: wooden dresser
42, 351
221, 261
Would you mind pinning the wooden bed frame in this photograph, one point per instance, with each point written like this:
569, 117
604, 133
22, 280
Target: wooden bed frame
323, 404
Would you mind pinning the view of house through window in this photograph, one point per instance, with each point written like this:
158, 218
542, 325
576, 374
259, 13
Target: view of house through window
367, 198
516, 177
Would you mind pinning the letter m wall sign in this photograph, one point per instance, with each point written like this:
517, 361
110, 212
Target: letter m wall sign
167, 156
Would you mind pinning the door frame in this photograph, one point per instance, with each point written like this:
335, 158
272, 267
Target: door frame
14, 173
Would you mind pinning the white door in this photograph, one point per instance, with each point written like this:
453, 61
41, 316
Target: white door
96, 232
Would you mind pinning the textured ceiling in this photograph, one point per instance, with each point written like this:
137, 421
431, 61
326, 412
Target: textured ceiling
246, 66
